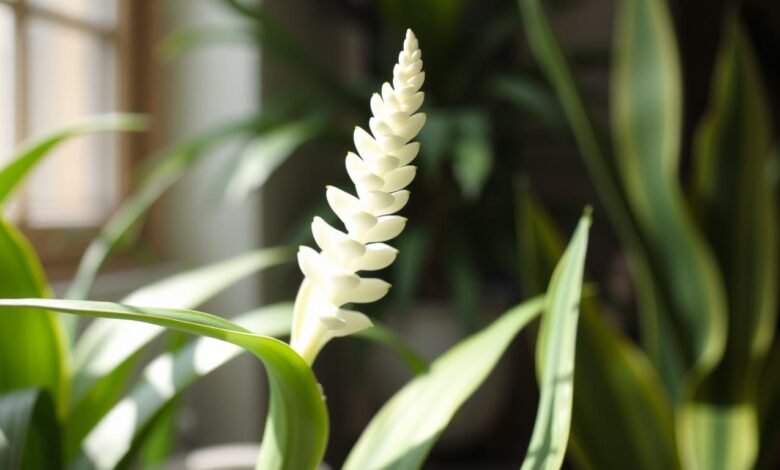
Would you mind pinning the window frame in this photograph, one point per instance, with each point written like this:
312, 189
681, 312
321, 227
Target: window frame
133, 36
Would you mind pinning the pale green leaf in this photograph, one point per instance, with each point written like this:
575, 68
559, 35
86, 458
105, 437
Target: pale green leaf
556, 348
402, 433
30, 154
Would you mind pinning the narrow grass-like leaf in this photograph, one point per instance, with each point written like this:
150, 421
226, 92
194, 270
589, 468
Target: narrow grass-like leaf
30, 154
170, 166
646, 121
719, 428
556, 348
618, 392
402, 433
29, 431
107, 352
33, 348
298, 417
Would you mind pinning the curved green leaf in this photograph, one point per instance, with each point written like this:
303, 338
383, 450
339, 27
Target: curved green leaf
108, 350
555, 354
25, 159
733, 189
402, 433
33, 348
163, 379
29, 431
297, 428
646, 120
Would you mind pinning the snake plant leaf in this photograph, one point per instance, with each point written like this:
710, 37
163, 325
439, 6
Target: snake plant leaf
604, 176
297, 430
27, 157
29, 431
33, 348
402, 433
555, 353
618, 393
108, 350
646, 121
719, 428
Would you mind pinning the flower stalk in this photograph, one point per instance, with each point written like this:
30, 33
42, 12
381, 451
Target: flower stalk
380, 170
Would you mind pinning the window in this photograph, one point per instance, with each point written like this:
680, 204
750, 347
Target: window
61, 61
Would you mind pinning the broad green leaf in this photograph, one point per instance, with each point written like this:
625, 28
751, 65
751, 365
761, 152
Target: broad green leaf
29, 431
262, 156
162, 380
33, 349
169, 167
646, 122
733, 190
402, 433
555, 354
30, 154
297, 428
618, 395
108, 350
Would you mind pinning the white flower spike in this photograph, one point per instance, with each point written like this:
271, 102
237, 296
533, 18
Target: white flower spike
380, 171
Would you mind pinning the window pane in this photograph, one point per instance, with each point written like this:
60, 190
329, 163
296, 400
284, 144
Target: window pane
7, 95
101, 11
71, 76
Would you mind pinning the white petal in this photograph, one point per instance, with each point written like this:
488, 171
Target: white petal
407, 153
365, 144
390, 143
413, 103
378, 108
386, 228
335, 242
388, 94
360, 173
400, 200
376, 200
313, 266
360, 223
352, 322
417, 80
377, 256
342, 203
379, 128
399, 178
412, 126
368, 290
384, 164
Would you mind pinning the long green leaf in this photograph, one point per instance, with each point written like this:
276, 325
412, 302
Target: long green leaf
166, 377
298, 418
646, 120
733, 189
402, 433
26, 158
556, 348
108, 351
604, 175
618, 394
29, 431
33, 348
